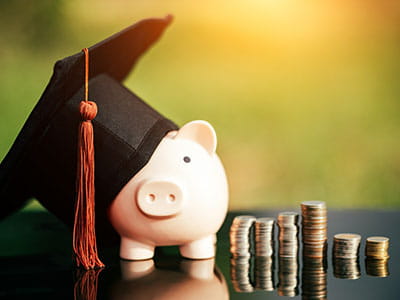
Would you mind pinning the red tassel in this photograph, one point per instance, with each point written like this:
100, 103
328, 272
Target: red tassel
84, 236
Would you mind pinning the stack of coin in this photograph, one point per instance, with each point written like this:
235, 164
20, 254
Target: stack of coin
346, 245
240, 235
240, 274
377, 247
346, 268
288, 276
376, 267
314, 228
264, 236
288, 234
314, 279
264, 273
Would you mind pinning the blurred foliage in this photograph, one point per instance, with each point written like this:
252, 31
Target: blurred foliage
304, 95
32, 24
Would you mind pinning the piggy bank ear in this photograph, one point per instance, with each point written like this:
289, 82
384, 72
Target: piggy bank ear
201, 132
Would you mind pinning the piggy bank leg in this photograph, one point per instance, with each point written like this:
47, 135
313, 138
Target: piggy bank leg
133, 250
199, 249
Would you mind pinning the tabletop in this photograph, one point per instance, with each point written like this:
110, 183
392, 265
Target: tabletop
36, 264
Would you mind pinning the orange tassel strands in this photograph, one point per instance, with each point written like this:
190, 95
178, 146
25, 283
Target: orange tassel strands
84, 235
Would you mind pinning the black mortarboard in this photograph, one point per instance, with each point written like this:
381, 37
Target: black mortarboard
42, 161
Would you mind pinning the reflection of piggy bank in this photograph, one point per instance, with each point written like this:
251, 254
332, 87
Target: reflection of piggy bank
180, 197
192, 280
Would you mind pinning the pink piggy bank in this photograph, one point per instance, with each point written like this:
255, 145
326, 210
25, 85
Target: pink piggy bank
180, 197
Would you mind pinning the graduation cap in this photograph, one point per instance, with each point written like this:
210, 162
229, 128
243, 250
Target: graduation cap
42, 162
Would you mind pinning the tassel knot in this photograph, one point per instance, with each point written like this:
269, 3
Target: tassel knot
88, 110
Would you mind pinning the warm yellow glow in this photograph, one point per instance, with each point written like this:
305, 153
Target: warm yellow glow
303, 94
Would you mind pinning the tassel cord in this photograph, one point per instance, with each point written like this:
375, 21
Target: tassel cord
84, 236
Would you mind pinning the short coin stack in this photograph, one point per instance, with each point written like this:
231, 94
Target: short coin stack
288, 234
240, 274
264, 236
346, 268
314, 228
264, 273
377, 247
346, 245
240, 236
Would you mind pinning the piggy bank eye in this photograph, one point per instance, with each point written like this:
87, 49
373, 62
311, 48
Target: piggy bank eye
186, 159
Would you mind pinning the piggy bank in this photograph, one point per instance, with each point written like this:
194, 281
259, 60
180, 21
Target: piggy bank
180, 197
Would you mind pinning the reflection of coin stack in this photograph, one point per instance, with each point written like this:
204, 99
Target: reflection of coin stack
314, 279
346, 245
376, 250
240, 249
314, 228
346, 268
240, 274
288, 234
240, 235
264, 236
288, 276
264, 273
377, 267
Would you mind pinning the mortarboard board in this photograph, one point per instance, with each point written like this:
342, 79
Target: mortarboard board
42, 161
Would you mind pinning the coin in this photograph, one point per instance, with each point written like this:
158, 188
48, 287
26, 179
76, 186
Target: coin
314, 204
288, 217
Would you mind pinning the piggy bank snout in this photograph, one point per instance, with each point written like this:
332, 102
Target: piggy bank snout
160, 198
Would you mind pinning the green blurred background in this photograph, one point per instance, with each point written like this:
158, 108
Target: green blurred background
304, 95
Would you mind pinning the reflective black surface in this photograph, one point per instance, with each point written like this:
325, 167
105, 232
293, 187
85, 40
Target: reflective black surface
35, 264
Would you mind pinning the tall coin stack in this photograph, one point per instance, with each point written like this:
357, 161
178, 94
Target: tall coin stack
264, 236
240, 236
377, 247
288, 234
346, 245
314, 228
264, 273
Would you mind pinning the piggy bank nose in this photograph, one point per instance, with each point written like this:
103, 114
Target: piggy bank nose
160, 198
